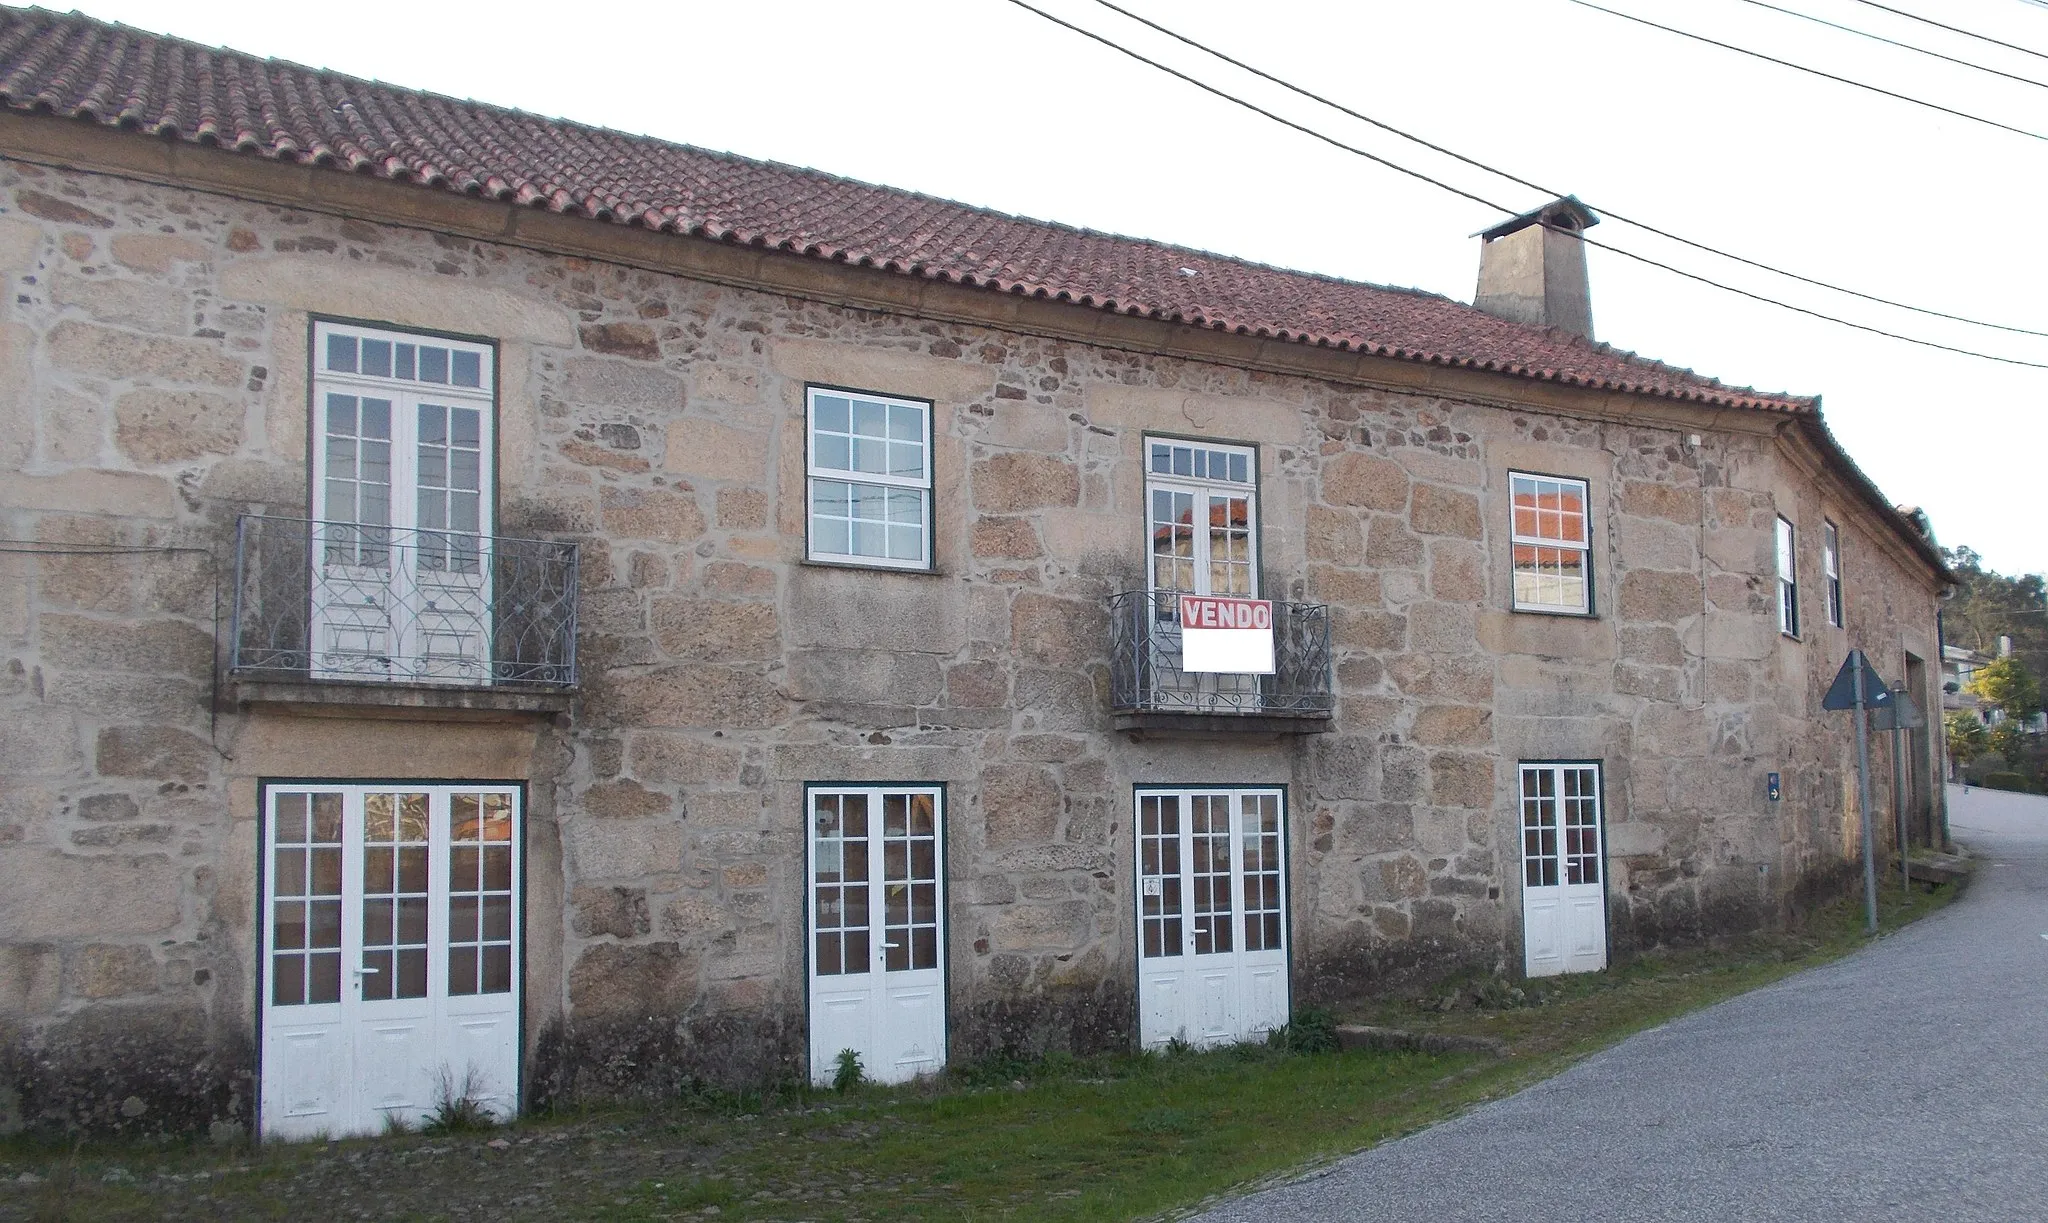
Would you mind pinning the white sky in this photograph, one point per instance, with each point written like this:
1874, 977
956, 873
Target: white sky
979, 101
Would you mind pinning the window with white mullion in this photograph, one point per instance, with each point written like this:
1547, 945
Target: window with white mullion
1202, 518
1788, 580
1831, 570
1552, 543
869, 477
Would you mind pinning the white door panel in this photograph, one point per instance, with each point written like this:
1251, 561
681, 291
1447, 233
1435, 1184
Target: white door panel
1212, 955
1564, 903
877, 918
390, 957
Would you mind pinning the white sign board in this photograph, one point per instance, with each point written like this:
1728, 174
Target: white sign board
1230, 636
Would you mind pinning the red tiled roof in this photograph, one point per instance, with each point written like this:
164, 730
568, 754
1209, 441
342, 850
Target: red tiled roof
70, 65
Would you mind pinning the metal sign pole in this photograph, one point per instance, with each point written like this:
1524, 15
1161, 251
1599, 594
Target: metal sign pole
1863, 797
1899, 787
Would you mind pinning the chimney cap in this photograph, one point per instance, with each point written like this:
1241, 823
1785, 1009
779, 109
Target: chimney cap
1565, 213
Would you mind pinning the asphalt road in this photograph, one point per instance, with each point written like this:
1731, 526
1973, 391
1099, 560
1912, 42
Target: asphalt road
1907, 1081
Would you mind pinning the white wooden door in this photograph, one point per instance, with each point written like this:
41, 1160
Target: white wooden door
1211, 905
390, 956
402, 505
1202, 519
877, 917
1564, 900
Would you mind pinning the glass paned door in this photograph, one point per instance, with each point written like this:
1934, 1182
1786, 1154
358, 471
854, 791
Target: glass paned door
1202, 527
1211, 905
1564, 903
402, 501
877, 918
391, 962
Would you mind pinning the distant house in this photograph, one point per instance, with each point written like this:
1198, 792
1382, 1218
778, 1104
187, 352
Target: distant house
499, 602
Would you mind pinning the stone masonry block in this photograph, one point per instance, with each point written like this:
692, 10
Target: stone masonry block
30, 976
624, 849
1460, 780
154, 427
91, 349
603, 383
156, 253
1016, 481
624, 799
710, 450
155, 753
149, 646
1452, 726
1445, 511
865, 677
697, 695
1660, 597
668, 515
715, 629
59, 896
641, 981
1057, 632
1391, 545
619, 912
1365, 480
139, 304
1020, 803
110, 970
1656, 499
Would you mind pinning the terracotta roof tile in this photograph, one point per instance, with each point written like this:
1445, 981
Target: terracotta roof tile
70, 65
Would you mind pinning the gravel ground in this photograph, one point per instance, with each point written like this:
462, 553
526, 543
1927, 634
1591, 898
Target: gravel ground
1909, 1080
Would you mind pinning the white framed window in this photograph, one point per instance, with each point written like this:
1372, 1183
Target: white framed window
404, 450
1202, 511
869, 479
1831, 569
1788, 580
1552, 540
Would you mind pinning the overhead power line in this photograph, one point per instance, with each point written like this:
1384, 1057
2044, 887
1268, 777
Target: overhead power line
1899, 12
1893, 42
1786, 63
1607, 213
1496, 206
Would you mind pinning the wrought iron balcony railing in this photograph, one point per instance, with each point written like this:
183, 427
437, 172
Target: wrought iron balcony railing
1145, 662
342, 601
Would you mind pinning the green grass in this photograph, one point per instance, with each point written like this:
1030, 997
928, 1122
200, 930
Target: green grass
1112, 1137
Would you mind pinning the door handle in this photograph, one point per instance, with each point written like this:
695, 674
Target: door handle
366, 971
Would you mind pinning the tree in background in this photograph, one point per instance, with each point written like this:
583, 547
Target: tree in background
1989, 605
2008, 684
1967, 738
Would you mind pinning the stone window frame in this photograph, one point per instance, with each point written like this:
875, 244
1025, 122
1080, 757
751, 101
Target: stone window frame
1252, 484
1516, 539
926, 487
1831, 571
1787, 561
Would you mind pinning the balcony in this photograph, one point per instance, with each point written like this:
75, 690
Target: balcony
1149, 691
439, 622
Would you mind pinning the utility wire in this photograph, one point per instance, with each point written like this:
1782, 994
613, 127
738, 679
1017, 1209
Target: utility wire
1899, 12
1523, 182
1786, 63
1893, 42
1498, 207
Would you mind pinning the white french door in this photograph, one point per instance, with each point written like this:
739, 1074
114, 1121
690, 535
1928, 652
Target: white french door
1564, 902
877, 916
1202, 511
1212, 905
402, 505
390, 956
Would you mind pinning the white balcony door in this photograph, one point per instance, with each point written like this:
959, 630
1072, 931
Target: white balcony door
1202, 509
403, 442
877, 918
1211, 915
1564, 901
390, 963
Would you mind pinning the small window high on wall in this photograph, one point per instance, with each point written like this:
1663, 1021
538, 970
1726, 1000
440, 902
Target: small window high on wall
1552, 540
1831, 570
869, 479
1788, 581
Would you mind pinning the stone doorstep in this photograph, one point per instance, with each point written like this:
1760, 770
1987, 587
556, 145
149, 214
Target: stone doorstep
413, 702
1936, 868
1362, 1036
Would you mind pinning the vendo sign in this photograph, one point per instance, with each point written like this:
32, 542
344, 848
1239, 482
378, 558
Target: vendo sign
1227, 636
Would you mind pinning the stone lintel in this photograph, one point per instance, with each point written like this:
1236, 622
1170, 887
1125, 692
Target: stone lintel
405, 702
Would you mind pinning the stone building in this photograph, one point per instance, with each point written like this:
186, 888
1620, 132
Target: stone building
499, 607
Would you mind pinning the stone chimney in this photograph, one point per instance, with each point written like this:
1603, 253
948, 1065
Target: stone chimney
1532, 269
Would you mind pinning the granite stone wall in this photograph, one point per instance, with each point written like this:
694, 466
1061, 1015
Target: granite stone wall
153, 387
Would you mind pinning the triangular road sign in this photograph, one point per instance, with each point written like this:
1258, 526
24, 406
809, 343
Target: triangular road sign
1842, 693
